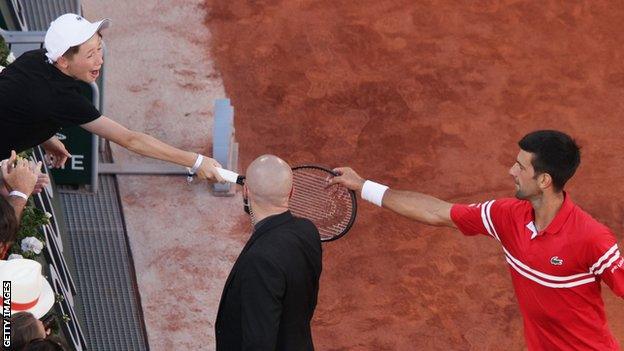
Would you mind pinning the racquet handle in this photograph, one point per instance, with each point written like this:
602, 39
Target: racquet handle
228, 175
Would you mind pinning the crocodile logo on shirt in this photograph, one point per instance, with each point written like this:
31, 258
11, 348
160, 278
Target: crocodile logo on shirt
556, 261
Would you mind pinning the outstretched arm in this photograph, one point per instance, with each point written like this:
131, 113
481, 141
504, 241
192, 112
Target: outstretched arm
420, 207
149, 146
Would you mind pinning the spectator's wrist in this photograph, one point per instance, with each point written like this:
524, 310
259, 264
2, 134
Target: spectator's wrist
198, 162
17, 193
22, 187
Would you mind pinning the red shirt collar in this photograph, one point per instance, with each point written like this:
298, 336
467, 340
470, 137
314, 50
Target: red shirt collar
561, 217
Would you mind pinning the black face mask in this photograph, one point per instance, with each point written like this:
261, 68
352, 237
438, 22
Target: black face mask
246, 205
241, 181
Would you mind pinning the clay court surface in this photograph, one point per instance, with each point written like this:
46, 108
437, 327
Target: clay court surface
428, 96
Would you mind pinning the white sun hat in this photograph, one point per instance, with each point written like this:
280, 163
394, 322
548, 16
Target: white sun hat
30, 291
69, 30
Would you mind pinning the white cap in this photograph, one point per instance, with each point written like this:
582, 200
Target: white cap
69, 30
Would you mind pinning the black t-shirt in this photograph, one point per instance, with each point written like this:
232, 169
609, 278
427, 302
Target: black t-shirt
36, 101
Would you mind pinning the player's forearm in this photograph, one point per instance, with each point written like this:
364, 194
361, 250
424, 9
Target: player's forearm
149, 146
420, 207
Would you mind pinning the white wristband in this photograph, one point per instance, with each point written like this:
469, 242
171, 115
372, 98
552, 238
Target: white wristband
373, 192
19, 194
198, 162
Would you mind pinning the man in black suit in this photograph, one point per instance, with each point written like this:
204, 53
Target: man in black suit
270, 295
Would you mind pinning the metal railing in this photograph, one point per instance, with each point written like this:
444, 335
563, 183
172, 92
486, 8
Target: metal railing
59, 273
38, 14
224, 145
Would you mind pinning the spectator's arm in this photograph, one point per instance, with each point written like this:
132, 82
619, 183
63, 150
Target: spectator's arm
149, 146
18, 205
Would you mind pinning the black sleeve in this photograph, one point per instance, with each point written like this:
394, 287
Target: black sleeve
70, 108
263, 285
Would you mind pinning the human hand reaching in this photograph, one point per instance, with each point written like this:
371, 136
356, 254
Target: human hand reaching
55, 152
20, 174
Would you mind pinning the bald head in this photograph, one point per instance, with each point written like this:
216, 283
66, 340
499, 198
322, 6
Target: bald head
269, 180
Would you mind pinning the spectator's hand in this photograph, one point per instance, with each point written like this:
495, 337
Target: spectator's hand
347, 178
208, 170
42, 181
20, 175
55, 152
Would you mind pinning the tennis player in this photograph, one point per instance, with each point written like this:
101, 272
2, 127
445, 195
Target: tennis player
557, 253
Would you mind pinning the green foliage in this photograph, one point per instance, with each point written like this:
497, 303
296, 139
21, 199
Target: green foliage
4, 52
27, 154
32, 221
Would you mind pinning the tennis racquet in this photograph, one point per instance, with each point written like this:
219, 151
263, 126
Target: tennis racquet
332, 209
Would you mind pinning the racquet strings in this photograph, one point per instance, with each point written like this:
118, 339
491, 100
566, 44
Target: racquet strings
329, 208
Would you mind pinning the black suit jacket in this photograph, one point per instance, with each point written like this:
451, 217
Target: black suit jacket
270, 295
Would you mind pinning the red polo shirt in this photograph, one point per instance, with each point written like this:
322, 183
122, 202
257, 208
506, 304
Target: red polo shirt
556, 273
